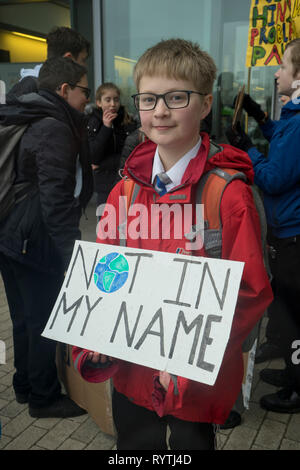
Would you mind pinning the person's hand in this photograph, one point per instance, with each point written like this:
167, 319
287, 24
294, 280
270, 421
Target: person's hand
108, 117
96, 357
238, 138
284, 99
253, 109
164, 379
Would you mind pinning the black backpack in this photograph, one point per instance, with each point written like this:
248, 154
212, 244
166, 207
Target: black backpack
10, 193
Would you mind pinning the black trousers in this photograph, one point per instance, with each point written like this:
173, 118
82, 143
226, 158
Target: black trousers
31, 296
141, 429
285, 267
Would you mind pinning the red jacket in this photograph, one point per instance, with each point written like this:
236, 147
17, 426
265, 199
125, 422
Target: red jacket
241, 242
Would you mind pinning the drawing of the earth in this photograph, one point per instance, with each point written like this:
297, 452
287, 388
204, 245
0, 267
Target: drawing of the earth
111, 272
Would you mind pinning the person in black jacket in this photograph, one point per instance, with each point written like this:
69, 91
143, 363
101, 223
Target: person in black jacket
37, 236
108, 126
61, 42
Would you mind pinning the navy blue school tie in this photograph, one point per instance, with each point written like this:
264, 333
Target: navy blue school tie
160, 182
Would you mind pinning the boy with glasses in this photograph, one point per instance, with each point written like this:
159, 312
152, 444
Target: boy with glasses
174, 80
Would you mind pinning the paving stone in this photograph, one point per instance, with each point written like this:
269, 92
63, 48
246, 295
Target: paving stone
58, 434
102, 442
221, 440
37, 448
7, 379
4, 441
12, 409
241, 438
270, 434
288, 444
261, 390
4, 420
47, 423
27, 439
3, 404
254, 416
17, 425
281, 417
8, 394
71, 444
80, 419
293, 429
86, 432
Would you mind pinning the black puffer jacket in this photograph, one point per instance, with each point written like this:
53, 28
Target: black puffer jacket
106, 143
40, 231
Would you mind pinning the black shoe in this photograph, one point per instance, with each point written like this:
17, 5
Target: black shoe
234, 419
267, 351
22, 397
64, 407
277, 377
284, 401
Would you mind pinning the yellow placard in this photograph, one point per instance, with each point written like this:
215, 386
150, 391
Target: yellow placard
272, 25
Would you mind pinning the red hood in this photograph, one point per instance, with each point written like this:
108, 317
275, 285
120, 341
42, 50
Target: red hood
139, 164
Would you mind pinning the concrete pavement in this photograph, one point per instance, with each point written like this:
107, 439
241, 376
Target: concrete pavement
260, 430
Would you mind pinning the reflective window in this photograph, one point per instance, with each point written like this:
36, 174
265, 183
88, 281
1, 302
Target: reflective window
219, 26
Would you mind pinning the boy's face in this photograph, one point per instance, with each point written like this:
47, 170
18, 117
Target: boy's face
76, 97
110, 101
285, 74
175, 131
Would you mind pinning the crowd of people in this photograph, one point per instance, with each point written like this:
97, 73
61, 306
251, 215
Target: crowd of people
69, 151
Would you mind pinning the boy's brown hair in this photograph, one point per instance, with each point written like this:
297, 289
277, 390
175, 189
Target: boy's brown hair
179, 59
295, 54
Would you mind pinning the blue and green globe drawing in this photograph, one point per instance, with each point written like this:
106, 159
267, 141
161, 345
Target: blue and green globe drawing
111, 272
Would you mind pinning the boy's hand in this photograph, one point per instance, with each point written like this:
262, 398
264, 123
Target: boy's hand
96, 357
164, 379
108, 117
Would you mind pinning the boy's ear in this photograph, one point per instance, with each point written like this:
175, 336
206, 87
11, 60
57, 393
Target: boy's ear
69, 54
64, 91
207, 104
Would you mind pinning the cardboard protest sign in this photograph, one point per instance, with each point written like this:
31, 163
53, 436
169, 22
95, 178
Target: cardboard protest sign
272, 24
161, 310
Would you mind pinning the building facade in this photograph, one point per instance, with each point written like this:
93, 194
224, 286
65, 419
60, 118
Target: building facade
121, 30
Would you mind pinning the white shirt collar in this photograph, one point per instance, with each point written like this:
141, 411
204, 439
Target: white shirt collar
177, 171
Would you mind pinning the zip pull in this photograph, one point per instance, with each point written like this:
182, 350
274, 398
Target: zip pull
24, 250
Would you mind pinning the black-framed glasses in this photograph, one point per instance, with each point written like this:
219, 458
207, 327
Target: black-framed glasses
173, 99
86, 91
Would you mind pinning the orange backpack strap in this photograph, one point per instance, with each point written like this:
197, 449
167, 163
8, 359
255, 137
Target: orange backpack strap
130, 191
210, 190
129, 186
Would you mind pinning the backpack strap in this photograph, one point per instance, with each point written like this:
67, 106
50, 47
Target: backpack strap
210, 190
131, 190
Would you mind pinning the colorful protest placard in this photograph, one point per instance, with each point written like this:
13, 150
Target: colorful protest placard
272, 24
161, 310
